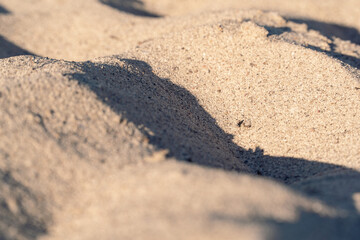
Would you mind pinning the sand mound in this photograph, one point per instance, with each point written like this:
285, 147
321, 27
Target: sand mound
253, 76
228, 124
87, 29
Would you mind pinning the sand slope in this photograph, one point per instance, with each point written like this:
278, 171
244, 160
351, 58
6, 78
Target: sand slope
236, 124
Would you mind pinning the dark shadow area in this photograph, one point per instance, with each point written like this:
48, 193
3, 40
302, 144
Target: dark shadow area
135, 7
350, 60
3, 10
8, 49
21, 214
276, 31
312, 226
285, 169
331, 30
167, 114
309, 226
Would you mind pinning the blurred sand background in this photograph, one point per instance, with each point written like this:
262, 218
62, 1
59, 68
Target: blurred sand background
159, 119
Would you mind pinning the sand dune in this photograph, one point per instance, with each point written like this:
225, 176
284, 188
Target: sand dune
179, 120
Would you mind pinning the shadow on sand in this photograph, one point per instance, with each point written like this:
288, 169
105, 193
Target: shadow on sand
21, 213
3, 10
8, 49
135, 7
330, 31
172, 119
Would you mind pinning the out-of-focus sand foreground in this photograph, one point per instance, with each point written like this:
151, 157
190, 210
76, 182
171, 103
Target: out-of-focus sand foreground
160, 119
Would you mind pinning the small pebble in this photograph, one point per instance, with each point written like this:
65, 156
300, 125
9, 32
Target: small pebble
246, 123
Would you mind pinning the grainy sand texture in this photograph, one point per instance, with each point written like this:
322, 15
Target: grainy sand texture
160, 119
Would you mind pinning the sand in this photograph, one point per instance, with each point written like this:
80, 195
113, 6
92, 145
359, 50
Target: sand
179, 119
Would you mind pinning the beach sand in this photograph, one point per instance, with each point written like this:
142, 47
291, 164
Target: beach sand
179, 119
